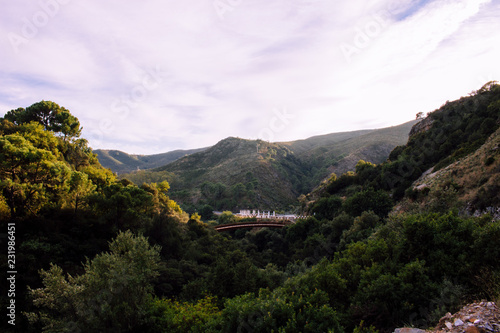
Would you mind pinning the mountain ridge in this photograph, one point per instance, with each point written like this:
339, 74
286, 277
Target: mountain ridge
269, 175
122, 162
449, 162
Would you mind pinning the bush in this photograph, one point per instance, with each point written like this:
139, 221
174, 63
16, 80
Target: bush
361, 229
377, 201
112, 294
164, 315
327, 208
280, 311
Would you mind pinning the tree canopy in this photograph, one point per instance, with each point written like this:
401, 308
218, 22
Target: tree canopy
50, 115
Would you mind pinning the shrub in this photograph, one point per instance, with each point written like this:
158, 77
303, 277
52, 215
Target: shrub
377, 201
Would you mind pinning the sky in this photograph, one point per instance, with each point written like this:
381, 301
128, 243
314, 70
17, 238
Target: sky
158, 75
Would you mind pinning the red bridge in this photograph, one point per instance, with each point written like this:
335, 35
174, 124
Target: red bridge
254, 224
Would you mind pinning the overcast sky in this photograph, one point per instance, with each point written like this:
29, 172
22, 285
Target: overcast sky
157, 75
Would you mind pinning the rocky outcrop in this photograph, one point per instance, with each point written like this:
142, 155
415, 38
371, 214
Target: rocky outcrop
481, 317
422, 126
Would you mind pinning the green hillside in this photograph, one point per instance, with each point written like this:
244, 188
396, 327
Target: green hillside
339, 152
400, 243
121, 162
238, 173
471, 184
453, 153
233, 173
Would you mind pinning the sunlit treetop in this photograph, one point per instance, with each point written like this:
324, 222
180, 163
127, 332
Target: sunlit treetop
52, 116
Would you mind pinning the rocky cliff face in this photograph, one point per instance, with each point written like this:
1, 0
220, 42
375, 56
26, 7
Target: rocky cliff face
421, 126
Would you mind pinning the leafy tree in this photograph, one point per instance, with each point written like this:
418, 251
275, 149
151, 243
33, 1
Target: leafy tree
4, 209
37, 166
217, 194
166, 315
238, 190
280, 311
112, 295
333, 229
340, 183
377, 201
99, 176
124, 206
361, 229
78, 154
206, 212
361, 165
327, 208
299, 231
52, 116
80, 186
159, 193
226, 217
395, 153
195, 218
15, 117
233, 274
31, 176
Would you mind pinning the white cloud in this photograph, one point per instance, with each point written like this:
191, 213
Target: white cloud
224, 74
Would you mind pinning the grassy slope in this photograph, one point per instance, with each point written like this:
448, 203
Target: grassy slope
474, 177
374, 147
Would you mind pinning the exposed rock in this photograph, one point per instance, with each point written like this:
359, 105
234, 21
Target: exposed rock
408, 330
474, 329
422, 126
483, 317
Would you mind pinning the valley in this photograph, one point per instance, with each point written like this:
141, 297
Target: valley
392, 227
254, 174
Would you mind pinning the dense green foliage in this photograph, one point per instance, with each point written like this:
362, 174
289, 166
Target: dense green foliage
355, 264
112, 294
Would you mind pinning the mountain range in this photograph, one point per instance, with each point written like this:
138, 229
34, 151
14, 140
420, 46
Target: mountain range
446, 153
237, 173
121, 162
